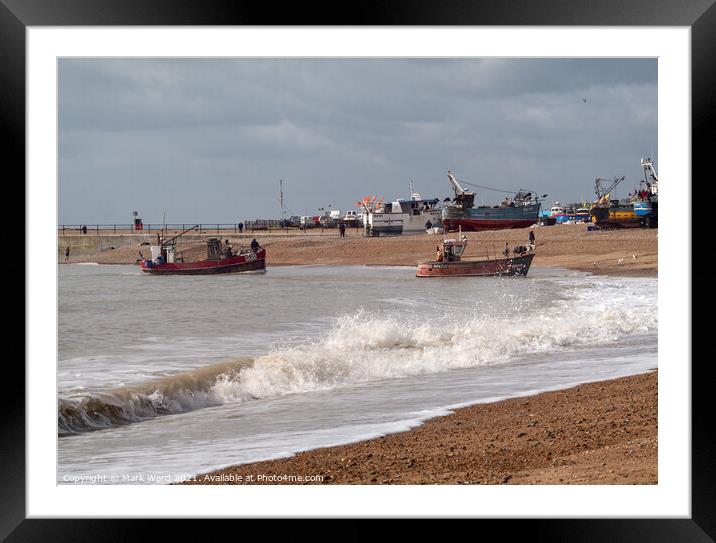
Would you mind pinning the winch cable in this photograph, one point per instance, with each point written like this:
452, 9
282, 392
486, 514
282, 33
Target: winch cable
494, 189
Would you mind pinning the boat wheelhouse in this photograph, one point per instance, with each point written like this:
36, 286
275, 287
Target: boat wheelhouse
402, 216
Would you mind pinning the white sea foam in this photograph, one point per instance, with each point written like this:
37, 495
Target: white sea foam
365, 347
370, 345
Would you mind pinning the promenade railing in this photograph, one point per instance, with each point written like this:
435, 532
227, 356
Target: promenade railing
154, 228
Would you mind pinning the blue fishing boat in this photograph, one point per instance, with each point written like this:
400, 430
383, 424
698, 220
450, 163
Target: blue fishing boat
518, 211
569, 214
646, 199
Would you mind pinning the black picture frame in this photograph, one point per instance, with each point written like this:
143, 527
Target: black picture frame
699, 15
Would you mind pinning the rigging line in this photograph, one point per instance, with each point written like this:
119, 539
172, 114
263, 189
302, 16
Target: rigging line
287, 209
488, 188
498, 190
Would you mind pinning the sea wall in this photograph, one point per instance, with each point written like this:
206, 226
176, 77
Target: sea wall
91, 243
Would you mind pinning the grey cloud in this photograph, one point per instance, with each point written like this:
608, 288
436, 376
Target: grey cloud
159, 133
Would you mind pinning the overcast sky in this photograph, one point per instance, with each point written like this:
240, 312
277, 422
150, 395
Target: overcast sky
209, 140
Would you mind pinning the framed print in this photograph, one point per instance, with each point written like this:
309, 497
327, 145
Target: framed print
242, 320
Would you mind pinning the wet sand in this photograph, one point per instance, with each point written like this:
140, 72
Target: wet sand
615, 252
596, 433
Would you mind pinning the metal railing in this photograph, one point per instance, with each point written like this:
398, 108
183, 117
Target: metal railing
150, 228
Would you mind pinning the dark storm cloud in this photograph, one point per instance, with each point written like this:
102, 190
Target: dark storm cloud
208, 140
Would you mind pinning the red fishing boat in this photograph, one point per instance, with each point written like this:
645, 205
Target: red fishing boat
220, 258
449, 262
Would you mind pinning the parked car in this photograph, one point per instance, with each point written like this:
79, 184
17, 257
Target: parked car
310, 222
292, 222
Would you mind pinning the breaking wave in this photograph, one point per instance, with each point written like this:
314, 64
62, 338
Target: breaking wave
370, 346
173, 394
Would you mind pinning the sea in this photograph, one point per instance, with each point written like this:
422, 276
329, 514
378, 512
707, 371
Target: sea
163, 378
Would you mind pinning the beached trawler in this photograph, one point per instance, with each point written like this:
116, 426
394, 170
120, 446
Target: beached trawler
220, 258
646, 199
402, 216
519, 211
449, 262
641, 209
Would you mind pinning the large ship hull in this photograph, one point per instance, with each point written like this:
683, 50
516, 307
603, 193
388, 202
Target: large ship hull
518, 265
622, 217
489, 218
250, 262
385, 226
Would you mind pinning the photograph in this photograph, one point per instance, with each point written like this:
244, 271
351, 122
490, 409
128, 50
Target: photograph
409, 268
357, 271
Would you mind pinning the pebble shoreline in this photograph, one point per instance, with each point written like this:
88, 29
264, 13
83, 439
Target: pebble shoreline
596, 433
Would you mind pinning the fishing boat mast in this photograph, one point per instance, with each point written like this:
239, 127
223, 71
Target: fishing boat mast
283, 207
601, 192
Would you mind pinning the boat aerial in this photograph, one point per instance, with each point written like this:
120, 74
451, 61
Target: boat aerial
450, 261
220, 258
413, 216
518, 211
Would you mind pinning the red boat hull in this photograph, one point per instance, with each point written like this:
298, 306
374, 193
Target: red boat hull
518, 265
478, 225
234, 264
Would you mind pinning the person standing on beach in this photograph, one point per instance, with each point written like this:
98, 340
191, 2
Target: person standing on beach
84, 229
241, 227
67, 254
342, 229
532, 238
